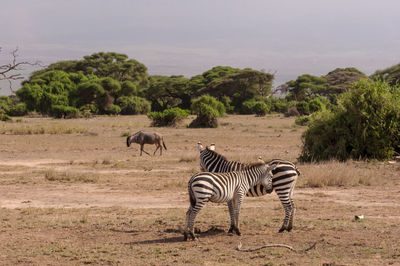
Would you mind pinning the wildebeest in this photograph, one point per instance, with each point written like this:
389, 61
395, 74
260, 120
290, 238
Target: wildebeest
142, 137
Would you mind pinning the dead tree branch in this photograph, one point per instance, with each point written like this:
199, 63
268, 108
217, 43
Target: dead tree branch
9, 72
239, 247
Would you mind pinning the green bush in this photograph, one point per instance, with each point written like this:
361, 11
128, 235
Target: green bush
5, 104
364, 125
168, 117
317, 104
302, 120
113, 109
259, 108
133, 105
303, 108
198, 104
227, 102
62, 111
4, 117
207, 109
18, 110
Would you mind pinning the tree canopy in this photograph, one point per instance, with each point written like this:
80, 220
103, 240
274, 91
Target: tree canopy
341, 79
391, 75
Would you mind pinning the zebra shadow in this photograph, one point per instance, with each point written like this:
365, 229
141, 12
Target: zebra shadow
210, 232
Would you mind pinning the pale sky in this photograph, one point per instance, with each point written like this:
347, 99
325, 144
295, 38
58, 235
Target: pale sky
188, 37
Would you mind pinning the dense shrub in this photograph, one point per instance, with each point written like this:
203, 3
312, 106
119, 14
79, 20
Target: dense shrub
302, 120
5, 105
278, 105
18, 109
259, 108
316, 104
168, 117
365, 124
4, 117
198, 104
292, 111
227, 102
113, 109
207, 109
133, 105
303, 108
89, 110
62, 111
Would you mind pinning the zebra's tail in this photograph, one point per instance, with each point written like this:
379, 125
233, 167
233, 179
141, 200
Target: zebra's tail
297, 171
128, 143
191, 195
163, 143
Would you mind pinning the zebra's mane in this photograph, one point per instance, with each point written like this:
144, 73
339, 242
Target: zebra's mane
259, 163
217, 154
244, 165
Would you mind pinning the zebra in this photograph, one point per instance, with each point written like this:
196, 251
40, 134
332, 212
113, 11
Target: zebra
142, 137
230, 187
283, 181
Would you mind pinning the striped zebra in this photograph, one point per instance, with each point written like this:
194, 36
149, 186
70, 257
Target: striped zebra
283, 181
230, 187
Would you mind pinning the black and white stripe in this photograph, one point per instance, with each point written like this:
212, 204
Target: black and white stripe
230, 187
283, 181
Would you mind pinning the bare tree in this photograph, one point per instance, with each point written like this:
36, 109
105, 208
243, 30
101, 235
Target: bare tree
11, 71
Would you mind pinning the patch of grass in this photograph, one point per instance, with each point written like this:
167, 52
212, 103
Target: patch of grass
24, 129
188, 158
337, 174
54, 176
125, 134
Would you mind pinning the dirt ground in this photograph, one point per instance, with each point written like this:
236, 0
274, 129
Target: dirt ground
72, 193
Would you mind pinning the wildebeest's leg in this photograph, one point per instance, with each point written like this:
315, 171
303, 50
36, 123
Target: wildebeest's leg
141, 149
158, 146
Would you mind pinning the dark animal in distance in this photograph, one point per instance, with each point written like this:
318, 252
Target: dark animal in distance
142, 137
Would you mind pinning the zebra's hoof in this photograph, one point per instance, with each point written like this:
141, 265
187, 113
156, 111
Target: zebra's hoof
238, 232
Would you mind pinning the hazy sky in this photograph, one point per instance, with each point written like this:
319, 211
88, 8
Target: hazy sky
188, 37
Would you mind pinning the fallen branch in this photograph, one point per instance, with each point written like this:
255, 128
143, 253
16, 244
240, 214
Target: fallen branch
239, 247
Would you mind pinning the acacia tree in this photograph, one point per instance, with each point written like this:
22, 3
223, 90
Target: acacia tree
241, 85
391, 75
341, 79
11, 71
306, 86
168, 92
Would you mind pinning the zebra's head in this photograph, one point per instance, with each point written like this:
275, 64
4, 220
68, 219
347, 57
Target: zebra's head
266, 178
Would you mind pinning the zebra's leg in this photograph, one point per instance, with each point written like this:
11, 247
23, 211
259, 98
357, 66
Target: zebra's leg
189, 227
288, 205
236, 209
290, 224
190, 218
232, 215
288, 212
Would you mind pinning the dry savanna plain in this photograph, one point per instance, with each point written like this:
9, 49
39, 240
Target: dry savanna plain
72, 192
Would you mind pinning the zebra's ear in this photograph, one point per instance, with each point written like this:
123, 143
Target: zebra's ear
212, 147
260, 159
199, 146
